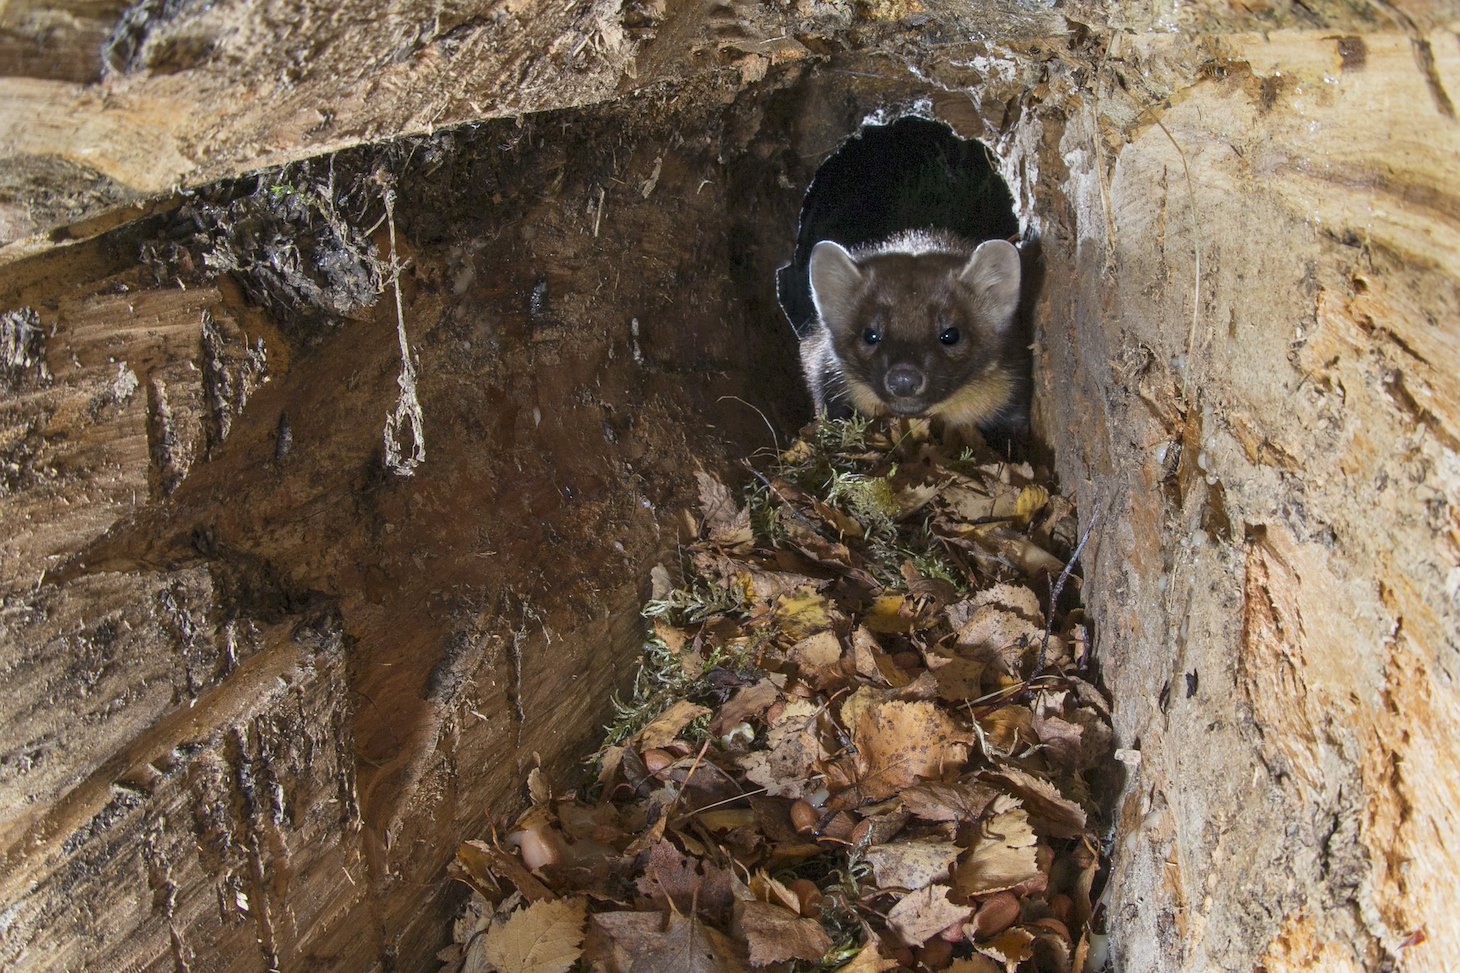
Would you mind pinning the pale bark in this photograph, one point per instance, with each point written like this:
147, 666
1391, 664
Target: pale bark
261, 687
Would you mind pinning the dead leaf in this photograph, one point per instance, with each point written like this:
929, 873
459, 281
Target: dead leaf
803, 612
675, 882
1008, 729
959, 680
727, 524
974, 964
899, 743
869, 960
480, 860
912, 864
653, 942
961, 801
873, 664
1000, 636
913, 498
1063, 741
1011, 947
819, 658
545, 937
673, 638
664, 729
748, 703
660, 583
793, 747
921, 915
1000, 857
539, 791
775, 934
826, 552
1050, 812
885, 615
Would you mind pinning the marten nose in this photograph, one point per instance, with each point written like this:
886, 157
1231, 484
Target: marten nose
905, 381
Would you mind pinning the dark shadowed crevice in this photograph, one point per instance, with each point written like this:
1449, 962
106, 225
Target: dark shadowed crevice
911, 174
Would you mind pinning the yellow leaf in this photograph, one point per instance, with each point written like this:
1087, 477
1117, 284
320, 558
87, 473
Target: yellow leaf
666, 726
885, 616
1031, 500
802, 614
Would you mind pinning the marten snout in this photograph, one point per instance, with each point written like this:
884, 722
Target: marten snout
905, 381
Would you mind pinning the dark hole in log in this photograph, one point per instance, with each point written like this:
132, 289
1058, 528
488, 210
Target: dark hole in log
911, 174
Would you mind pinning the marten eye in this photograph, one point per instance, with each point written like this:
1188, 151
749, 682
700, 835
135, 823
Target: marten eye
949, 336
872, 336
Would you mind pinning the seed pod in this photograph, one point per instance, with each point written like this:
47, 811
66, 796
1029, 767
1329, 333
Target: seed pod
809, 896
1061, 907
655, 760
1054, 926
998, 913
804, 818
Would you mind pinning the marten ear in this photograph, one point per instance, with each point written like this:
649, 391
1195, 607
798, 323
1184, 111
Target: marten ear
992, 274
835, 282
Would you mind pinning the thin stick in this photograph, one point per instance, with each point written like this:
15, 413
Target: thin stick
1059, 586
775, 440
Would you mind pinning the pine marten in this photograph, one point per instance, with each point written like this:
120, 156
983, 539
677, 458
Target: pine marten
918, 324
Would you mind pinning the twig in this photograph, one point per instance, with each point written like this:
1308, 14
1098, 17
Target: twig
775, 440
1059, 586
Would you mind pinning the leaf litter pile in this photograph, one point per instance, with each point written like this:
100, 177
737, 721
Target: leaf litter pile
862, 739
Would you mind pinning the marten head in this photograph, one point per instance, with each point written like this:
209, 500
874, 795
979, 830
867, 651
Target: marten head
920, 324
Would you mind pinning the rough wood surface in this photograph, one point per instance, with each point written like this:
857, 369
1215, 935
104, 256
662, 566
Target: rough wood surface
268, 686
1277, 582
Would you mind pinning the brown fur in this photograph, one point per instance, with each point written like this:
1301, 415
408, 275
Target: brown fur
912, 292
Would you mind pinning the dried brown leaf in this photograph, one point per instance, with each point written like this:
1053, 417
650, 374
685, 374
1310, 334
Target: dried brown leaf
921, 915
913, 498
899, 743
676, 882
653, 942
971, 501
545, 937
481, 860
1011, 947
1001, 636
673, 638
1050, 812
748, 703
793, 747
1008, 729
974, 964
912, 864
959, 680
1000, 857
819, 659
961, 801
829, 553
869, 960
664, 729
872, 663
1063, 741
726, 523
775, 934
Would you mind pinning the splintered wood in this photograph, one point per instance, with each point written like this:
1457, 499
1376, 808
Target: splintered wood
862, 739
